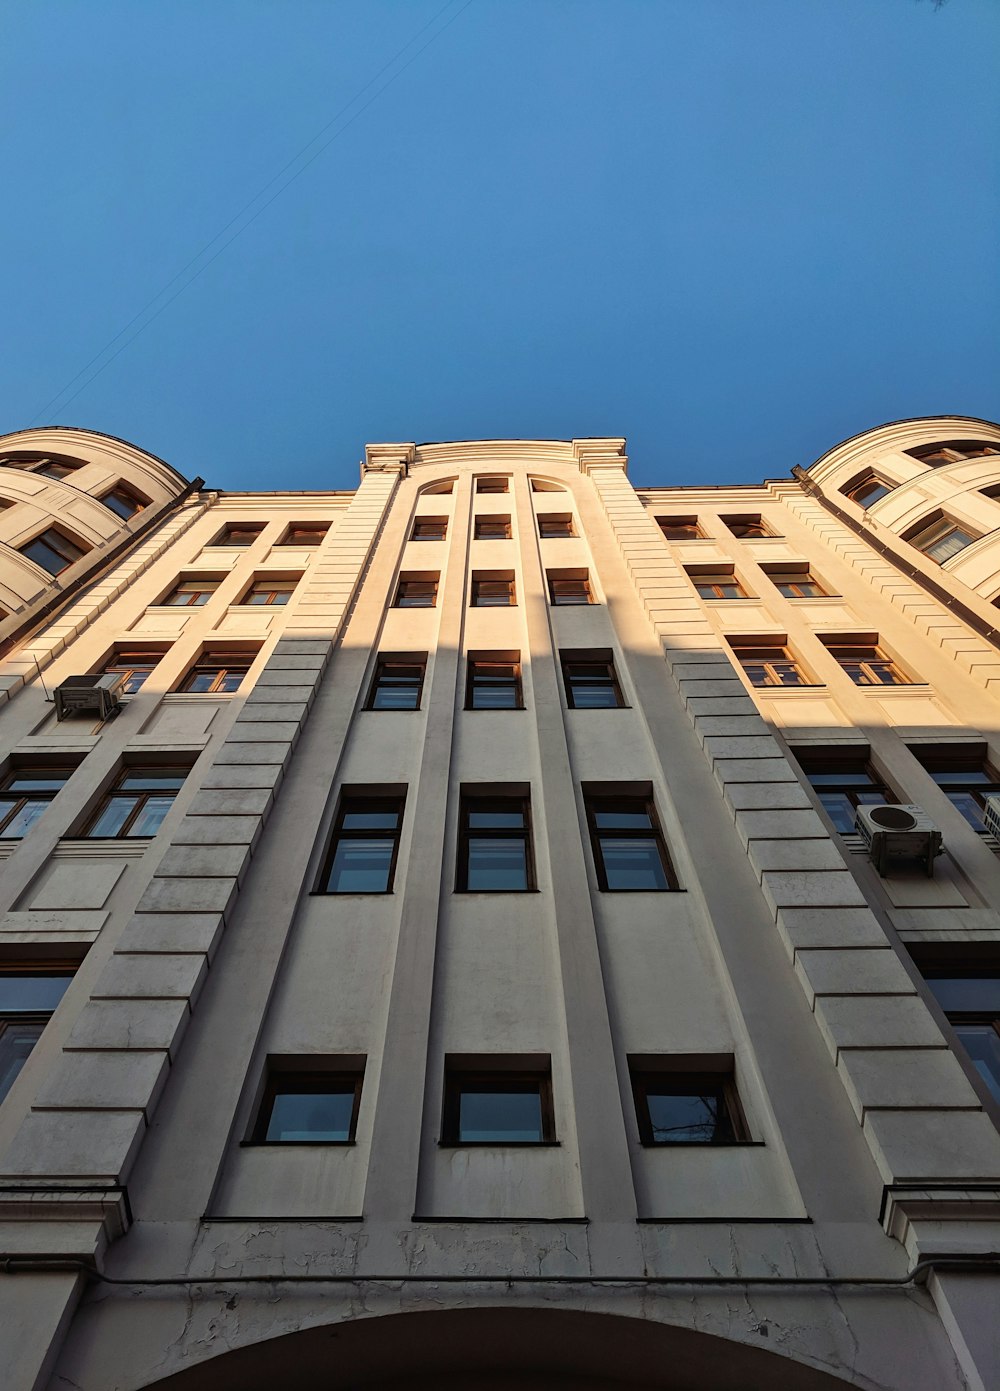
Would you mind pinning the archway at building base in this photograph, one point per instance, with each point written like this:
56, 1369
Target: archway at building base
497, 1349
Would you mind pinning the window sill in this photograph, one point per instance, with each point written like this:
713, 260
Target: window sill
368, 893
499, 1144
810, 688
297, 1144
672, 890
702, 1144
897, 688
484, 893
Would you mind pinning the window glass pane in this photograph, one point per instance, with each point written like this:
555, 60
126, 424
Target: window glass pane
371, 819
676, 1119
30, 994
16, 1042
37, 781
592, 688
622, 818
361, 866
498, 865
320, 1115
42, 554
122, 503
633, 863
22, 821
201, 680
507, 1117
150, 818
150, 781
232, 679
840, 809
982, 1043
397, 688
113, 816
969, 807
967, 994
483, 817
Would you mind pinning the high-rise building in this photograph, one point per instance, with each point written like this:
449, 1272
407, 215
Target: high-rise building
501, 927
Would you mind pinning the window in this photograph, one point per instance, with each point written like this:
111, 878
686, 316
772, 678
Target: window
217, 673
749, 528
498, 1103
963, 775
555, 526
492, 589
135, 666
491, 485
440, 489
494, 849
940, 538
591, 681
675, 1105
54, 551
304, 534
239, 534
569, 587
496, 528
493, 681
49, 466
544, 485
311, 1106
136, 804
865, 662
768, 663
25, 793
717, 584
29, 993
969, 994
191, 593
843, 780
866, 489
953, 451
795, 584
398, 681
629, 852
270, 593
417, 591
680, 528
365, 844
429, 529
124, 501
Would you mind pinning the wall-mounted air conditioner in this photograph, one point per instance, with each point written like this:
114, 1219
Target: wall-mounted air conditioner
991, 814
897, 832
80, 695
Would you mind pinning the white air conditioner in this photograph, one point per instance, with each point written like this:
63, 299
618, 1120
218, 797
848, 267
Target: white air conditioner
79, 695
991, 814
898, 832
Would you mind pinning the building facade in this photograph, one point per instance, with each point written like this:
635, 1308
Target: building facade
454, 961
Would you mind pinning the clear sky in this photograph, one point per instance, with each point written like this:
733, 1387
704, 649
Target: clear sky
735, 231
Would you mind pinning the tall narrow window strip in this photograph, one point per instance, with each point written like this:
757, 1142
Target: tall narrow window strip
365, 845
495, 852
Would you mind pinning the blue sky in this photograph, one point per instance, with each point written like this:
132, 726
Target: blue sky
735, 231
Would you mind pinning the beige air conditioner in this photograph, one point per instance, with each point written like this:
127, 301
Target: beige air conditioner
80, 695
898, 832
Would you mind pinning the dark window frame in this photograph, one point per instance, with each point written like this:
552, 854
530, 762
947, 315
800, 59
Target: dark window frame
124, 491
855, 773
956, 759
689, 529
240, 535
977, 961
784, 661
116, 788
413, 584
224, 664
33, 1018
617, 799
319, 530
936, 527
24, 771
493, 659
567, 598
469, 800
492, 484
52, 537
568, 659
124, 661
962, 450
459, 1078
492, 526
479, 578
841, 646
721, 578
786, 576
866, 483
669, 1079
272, 586
195, 585
387, 660
306, 1081
351, 801
555, 526
749, 527
436, 529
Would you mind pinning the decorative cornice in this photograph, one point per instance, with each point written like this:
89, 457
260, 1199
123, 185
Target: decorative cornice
600, 453
902, 434
388, 458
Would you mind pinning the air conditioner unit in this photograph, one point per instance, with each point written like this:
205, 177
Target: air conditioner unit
991, 814
78, 695
898, 832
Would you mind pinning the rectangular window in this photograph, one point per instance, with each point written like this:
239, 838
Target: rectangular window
136, 804
969, 995
29, 993
591, 681
124, 502
493, 681
25, 793
304, 534
55, 468
769, 663
496, 528
429, 529
795, 584
678, 1106
314, 1106
867, 488
239, 534
134, 666
217, 673
963, 775
843, 780
680, 528
492, 589
267, 593
494, 847
940, 538
569, 587
717, 584
365, 844
491, 485
398, 681
497, 1105
555, 526
866, 663
748, 528
417, 591
630, 855
191, 593
54, 551
954, 451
